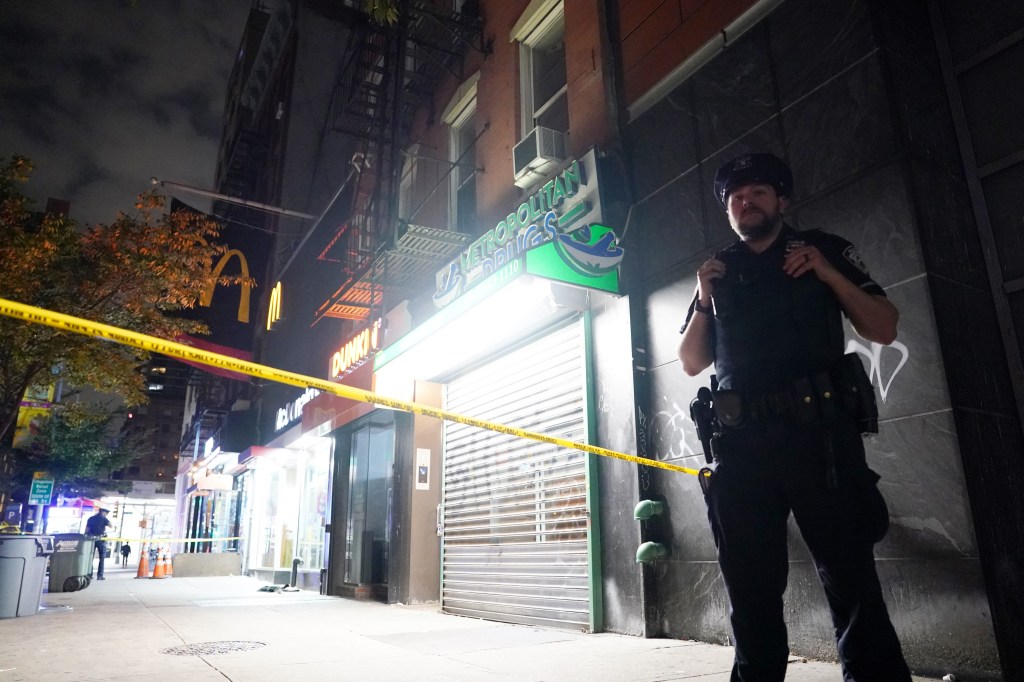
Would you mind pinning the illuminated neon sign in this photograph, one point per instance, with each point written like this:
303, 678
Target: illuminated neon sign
563, 213
293, 410
206, 297
274, 308
356, 350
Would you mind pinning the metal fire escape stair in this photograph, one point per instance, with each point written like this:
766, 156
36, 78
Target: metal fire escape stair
388, 74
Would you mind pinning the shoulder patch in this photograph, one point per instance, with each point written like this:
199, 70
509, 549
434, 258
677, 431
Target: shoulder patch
851, 255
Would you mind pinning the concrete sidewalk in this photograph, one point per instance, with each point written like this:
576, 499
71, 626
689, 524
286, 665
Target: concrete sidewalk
225, 629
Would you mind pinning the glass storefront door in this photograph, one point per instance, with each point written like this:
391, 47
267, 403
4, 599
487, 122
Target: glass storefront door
369, 502
313, 504
287, 500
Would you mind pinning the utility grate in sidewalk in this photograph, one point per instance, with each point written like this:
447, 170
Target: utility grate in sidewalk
212, 648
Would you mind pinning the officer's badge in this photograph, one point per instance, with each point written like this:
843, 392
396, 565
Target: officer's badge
742, 162
851, 255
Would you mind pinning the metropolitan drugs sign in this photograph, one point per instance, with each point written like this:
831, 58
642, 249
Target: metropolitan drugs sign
560, 220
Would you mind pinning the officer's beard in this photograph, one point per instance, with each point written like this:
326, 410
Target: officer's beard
759, 229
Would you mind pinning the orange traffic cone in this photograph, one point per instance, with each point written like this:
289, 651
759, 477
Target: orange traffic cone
158, 570
143, 563
168, 567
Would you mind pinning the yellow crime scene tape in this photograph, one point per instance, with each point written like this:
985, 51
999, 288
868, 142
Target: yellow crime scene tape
185, 352
162, 541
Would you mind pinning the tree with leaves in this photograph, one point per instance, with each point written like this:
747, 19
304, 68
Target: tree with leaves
76, 446
382, 11
135, 273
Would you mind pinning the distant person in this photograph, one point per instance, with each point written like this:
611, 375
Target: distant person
96, 527
125, 551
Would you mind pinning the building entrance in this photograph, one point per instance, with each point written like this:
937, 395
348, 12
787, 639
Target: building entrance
370, 496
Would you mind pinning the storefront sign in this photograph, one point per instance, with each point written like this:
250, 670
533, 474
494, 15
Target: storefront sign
293, 410
560, 214
214, 482
206, 297
274, 308
356, 350
588, 258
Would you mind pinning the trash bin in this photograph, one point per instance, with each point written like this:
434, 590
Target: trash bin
71, 563
22, 570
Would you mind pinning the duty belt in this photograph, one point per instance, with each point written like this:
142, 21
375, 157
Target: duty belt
818, 397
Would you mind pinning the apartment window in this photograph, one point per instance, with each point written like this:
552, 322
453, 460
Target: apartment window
460, 115
542, 68
407, 187
464, 174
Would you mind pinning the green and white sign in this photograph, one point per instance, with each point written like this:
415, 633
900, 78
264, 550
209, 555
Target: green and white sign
41, 491
556, 231
588, 258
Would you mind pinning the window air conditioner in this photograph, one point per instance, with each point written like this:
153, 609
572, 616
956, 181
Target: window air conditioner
537, 154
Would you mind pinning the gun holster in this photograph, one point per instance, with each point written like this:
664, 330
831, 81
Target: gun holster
702, 413
858, 393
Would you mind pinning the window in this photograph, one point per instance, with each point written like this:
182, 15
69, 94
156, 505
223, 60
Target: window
407, 187
542, 70
464, 174
460, 115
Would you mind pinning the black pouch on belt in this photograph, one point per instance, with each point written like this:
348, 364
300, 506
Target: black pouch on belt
728, 407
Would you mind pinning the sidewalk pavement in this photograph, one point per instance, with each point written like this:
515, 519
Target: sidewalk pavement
224, 628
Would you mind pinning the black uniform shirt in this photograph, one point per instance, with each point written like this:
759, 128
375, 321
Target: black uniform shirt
97, 525
770, 328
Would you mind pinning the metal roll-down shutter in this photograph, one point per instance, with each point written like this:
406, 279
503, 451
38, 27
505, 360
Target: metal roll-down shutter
515, 518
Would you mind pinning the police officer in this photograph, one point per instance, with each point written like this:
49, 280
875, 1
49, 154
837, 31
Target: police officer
96, 527
768, 313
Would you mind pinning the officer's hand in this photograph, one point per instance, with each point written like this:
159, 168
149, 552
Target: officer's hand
807, 258
711, 270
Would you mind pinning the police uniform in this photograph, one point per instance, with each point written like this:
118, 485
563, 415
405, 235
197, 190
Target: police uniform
792, 445
96, 526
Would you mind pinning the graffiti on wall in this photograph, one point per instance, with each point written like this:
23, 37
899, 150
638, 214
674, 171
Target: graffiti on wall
672, 430
874, 357
643, 437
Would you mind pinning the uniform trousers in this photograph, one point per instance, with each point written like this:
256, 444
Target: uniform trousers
774, 467
101, 547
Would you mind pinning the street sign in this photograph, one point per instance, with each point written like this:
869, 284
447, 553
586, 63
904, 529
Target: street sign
41, 491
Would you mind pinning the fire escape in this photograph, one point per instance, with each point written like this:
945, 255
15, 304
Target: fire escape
245, 148
389, 73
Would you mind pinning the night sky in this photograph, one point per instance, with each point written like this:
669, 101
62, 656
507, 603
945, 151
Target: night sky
101, 95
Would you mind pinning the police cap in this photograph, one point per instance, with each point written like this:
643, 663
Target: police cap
748, 169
